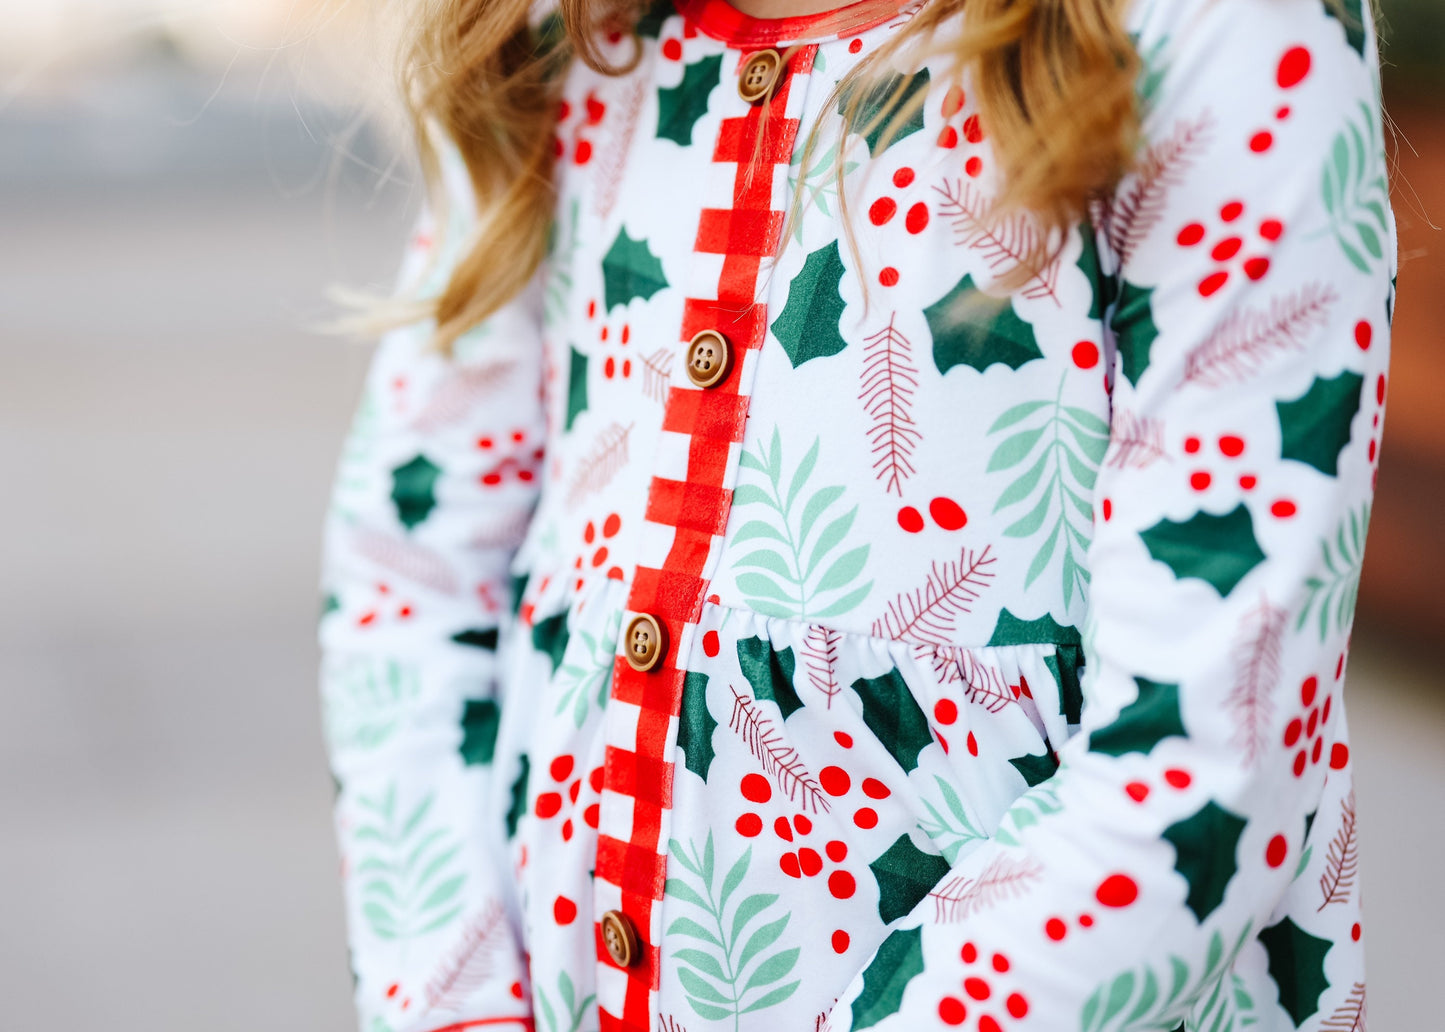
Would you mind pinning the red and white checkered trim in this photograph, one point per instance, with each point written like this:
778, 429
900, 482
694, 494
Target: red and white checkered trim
687, 512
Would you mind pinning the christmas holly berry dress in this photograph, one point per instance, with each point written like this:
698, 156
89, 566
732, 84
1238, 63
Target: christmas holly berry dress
741, 632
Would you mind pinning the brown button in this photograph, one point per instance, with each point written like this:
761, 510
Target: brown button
759, 74
708, 358
621, 938
644, 643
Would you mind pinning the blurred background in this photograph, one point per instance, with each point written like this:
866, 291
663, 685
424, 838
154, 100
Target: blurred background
179, 184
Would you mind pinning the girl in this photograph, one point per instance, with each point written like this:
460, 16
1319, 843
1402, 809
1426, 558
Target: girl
865, 531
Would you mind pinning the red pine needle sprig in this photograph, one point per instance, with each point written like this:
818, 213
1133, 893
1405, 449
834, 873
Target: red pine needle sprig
1257, 651
1003, 879
890, 379
1248, 338
929, 614
780, 761
1342, 862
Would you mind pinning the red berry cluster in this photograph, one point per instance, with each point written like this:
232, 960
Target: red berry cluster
979, 998
1307, 730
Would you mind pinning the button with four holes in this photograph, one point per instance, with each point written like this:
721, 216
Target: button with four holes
708, 358
759, 74
620, 938
644, 643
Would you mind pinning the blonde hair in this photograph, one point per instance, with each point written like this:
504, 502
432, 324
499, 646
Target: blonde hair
1053, 81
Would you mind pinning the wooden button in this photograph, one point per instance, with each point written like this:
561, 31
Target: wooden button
621, 938
644, 643
708, 358
759, 74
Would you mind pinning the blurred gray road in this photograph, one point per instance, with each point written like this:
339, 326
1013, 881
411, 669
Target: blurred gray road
167, 429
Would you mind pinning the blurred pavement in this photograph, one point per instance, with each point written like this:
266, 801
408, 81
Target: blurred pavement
167, 430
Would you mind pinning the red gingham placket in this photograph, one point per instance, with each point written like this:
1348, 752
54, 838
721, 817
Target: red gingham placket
695, 512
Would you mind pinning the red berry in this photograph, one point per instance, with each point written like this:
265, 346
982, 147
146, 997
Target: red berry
945, 711
1226, 249
866, 818
810, 861
835, 780
947, 513
564, 910
910, 519
888, 276
1190, 235
842, 885
789, 863
1117, 890
1085, 354
917, 219
976, 987
756, 788
1275, 853
882, 210
951, 1011
875, 789
1055, 929
749, 825
783, 829
837, 851
903, 177
1293, 67
840, 941
1339, 756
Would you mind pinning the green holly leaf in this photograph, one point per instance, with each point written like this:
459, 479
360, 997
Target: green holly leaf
679, 107
1297, 965
549, 637
878, 106
770, 672
695, 725
1204, 848
649, 26
518, 809
1065, 664
478, 638
1218, 550
480, 719
898, 961
978, 332
413, 490
630, 270
1035, 768
1315, 427
1152, 717
905, 874
807, 326
894, 717
1105, 288
576, 389
1134, 329
1010, 630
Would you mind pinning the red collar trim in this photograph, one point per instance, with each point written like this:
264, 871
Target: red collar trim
722, 21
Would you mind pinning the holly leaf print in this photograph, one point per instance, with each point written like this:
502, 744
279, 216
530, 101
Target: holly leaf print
905, 875
1297, 965
1356, 192
649, 26
480, 720
1219, 550
576, 387
1053, 451
897, 962
1315, 427
518, 809
410, 878
1152, 717
1035, 768
969, 329
807, 327
550, 636
413, 490
1204, 855
894, 717
724, 972
1134, 329
679, 107
630, 270
1332, 594
695, 725
1156, 998
799, 566
877, 108
1351, 16
770, 672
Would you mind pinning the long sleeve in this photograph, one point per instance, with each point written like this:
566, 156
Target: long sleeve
435, 489
1172, 867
